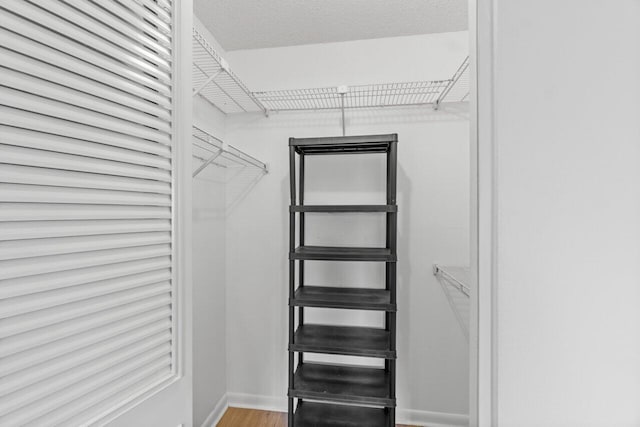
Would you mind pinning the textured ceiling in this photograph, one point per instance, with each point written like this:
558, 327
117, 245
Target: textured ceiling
252, 24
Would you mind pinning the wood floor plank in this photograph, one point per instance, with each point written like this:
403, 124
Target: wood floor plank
237, 417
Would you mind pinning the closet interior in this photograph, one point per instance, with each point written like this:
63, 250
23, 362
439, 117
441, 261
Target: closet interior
250, 107
241, 204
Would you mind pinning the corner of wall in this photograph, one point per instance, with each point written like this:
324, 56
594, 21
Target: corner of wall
217, 413
210, 278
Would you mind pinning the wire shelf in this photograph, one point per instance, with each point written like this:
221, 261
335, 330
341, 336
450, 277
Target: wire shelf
214, 80
455, 284
364, 96
210, 150
428, 92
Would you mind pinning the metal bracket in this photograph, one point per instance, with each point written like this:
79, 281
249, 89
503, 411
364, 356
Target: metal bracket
343, 90
206, 82
452, 83
462, 287
207, 162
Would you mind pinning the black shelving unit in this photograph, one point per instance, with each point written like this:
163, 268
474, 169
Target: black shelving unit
331, 394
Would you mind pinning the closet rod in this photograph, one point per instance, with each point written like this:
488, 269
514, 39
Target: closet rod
440, 271
214, 151
223, 150
247, 158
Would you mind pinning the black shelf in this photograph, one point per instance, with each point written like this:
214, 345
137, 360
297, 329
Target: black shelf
344, 208
344, 384
346, 340
339, 253
316, 388
344, 144
312, 414
349, 298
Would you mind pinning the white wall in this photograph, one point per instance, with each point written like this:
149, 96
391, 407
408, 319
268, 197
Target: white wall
433, 221
209, 310
433, 226
396, 59
567, 87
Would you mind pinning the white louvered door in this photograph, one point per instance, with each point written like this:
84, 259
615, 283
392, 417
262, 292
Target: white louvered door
88, 284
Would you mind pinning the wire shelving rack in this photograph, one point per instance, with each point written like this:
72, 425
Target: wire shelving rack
363, 96
214, 80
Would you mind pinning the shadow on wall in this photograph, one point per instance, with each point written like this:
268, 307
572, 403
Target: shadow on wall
211, 183
236, 182
239, 183
234, 177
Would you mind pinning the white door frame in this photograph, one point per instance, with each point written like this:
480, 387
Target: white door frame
483, 336
170, 404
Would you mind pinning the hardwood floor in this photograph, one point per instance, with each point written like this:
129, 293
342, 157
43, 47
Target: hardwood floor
236, 417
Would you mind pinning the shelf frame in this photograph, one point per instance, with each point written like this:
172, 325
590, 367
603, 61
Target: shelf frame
343, 208
325, 382
312, 414
344, 340
337, 253
344, 298
299, 254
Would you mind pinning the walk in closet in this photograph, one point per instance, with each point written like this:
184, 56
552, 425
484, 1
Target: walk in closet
310, 326
198, 207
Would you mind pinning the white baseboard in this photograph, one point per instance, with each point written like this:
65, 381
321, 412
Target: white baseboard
256, 401
403, 416
214, 417
430, 419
